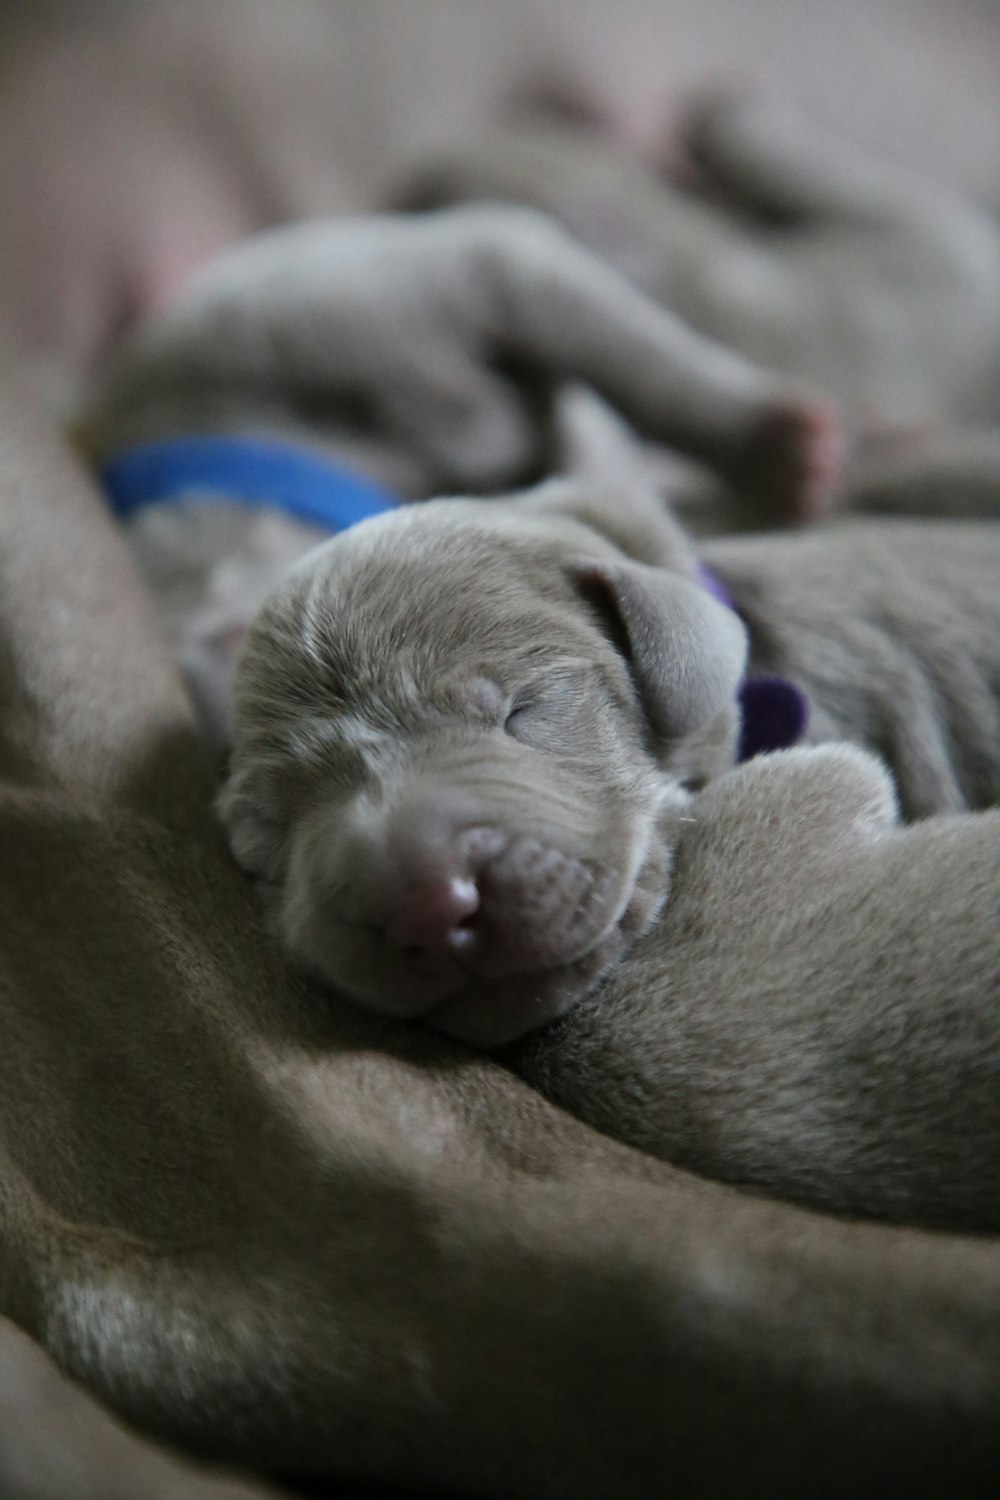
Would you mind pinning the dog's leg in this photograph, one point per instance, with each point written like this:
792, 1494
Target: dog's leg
433, 322
562, 308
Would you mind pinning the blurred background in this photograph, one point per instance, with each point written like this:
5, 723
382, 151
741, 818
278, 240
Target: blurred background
136, 139
138, 136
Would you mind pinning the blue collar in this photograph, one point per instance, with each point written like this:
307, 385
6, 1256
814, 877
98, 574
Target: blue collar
262, 474
248, 471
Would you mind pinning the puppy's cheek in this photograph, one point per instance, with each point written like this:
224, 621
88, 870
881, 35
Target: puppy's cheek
651, 890
491, 1013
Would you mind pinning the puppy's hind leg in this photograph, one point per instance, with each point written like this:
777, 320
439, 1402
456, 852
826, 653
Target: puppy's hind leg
562, 306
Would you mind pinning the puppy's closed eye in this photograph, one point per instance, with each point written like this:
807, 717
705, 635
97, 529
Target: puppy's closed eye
550, 713
517, 715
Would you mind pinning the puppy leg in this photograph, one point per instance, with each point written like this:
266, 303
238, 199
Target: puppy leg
562, 308
445, 328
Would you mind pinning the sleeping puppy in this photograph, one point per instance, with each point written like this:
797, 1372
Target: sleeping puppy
469, 738
465, 737
803, 252
468, 742
462, 736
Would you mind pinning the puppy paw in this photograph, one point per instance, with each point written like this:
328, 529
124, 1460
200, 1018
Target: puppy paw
799, 796
791, 465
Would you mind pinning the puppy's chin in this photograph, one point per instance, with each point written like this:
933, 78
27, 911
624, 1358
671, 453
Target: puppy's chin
490, 1013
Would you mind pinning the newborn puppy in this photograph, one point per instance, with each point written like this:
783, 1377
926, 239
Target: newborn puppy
465, 737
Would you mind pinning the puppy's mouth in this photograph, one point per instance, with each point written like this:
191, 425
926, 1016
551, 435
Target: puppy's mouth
493, 1009
505, 945
505, 984
541, 922
540, 909
487, 1005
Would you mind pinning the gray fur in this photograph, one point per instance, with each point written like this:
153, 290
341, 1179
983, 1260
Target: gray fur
426, 353
816, 1013
892, 627
807, 254
449, 665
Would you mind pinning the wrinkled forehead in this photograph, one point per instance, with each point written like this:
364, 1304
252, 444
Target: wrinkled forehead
445, 574
402, 614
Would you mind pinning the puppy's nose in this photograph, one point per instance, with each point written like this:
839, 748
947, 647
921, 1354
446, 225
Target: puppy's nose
437, 916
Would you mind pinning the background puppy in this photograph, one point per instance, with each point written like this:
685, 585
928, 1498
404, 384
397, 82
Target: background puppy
427, 354
802, 251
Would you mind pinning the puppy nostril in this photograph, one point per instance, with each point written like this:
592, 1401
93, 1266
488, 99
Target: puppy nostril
438, 917
464, 933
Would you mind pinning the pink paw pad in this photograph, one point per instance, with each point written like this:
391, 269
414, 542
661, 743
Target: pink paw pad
793, 462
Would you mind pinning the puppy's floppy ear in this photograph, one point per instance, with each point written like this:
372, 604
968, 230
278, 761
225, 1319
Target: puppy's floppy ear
607, 485
594, 445
255, 831
687, 652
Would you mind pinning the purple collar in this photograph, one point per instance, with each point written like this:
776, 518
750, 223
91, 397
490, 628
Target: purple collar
774, 711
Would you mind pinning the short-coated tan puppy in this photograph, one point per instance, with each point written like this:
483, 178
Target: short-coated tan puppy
461, 739
465, 737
